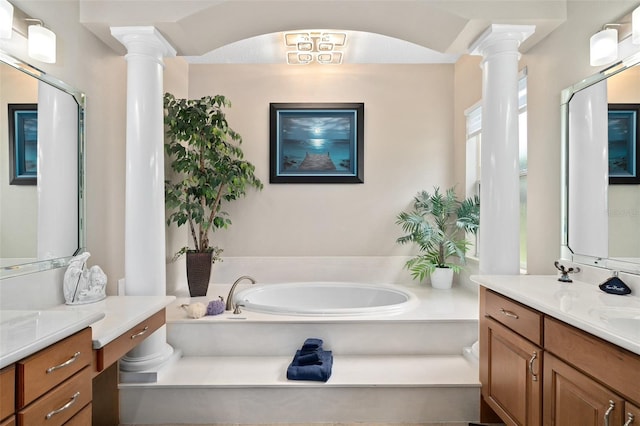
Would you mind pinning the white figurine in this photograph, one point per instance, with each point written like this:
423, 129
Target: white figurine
82, 285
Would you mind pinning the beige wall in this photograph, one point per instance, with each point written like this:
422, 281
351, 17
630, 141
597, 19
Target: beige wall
554, 64
408, 147
19, 207
88, 65
409, 132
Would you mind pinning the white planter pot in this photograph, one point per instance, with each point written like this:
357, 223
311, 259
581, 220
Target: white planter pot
442, 278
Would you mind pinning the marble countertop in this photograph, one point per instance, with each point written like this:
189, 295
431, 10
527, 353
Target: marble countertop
24, 332
121, 313
613, 318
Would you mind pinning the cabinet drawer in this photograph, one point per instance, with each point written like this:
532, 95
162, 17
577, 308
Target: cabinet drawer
61, 404
9, 422
524, 321
116, 349
616, 367
51, 366
83, 418
7, 391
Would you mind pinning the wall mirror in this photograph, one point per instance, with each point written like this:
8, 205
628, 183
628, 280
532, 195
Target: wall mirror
601, 213
41, 218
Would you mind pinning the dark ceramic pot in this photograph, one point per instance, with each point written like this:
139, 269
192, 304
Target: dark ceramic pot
198, 272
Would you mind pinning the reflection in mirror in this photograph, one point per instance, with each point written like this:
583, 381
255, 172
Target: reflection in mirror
601, 215
40, 219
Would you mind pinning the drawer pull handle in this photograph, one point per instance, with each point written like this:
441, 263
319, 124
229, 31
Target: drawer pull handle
64, 407
510, 314
144, 331
531, 361
607, 414
70, 361
629, 421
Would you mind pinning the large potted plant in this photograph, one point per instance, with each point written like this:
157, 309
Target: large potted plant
209, 171
438, 224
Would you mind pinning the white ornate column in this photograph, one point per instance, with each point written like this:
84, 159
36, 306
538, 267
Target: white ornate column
145, 268
499, 191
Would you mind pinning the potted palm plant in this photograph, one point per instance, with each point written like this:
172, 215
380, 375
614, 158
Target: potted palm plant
209, 171
437, 225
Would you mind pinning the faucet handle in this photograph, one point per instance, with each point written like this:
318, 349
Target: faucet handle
237, 309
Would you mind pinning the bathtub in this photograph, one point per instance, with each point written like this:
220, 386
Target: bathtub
326, 299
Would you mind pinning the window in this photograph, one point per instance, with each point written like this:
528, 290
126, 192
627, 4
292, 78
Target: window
473, 161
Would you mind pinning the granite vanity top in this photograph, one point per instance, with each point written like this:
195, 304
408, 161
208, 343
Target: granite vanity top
613, 318
24, 332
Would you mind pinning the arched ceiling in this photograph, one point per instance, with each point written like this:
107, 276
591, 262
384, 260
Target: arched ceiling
198, 27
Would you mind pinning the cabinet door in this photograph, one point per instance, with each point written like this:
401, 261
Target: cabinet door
573, 398
509, 372
631, 414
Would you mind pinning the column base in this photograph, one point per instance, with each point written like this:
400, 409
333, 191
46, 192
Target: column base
133, 372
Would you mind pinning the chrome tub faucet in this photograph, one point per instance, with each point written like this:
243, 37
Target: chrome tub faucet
230, 306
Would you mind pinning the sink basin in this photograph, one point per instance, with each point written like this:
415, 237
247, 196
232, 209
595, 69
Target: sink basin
625, 320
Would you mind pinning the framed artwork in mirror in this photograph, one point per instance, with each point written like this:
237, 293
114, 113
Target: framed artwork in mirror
623, 128
316, 143
23, 144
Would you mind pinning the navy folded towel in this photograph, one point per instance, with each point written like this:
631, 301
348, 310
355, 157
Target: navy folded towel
311, 344
306, 359
318, 371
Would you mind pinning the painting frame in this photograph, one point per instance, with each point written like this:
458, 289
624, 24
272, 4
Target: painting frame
623, 122
23, 144
316, 142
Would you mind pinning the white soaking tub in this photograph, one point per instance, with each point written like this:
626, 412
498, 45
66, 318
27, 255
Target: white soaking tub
326, 299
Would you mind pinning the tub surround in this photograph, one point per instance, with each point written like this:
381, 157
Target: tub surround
406, 367
582, 305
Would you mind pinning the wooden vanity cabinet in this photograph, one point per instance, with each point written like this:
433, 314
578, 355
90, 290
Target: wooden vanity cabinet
7, 395
573, 398
510, 360
583, 381
54, 384
589, 381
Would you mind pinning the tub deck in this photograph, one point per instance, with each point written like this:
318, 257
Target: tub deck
408, 367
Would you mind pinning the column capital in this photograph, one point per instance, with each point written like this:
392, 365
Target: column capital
501, 37
143, 40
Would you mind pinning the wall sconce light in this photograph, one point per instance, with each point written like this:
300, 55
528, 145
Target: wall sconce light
6, 19
604, 46
323, 47
42, 42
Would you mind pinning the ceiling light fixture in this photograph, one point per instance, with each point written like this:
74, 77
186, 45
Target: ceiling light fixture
604, 46
6, 19
42, 42
321, 47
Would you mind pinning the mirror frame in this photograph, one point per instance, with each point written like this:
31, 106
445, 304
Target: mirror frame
565, 97
9, 271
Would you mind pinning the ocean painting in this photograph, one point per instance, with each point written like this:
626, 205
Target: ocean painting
316, 143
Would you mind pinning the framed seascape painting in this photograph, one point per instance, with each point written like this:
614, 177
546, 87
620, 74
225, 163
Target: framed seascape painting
316, 143
23, 144
623, 143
